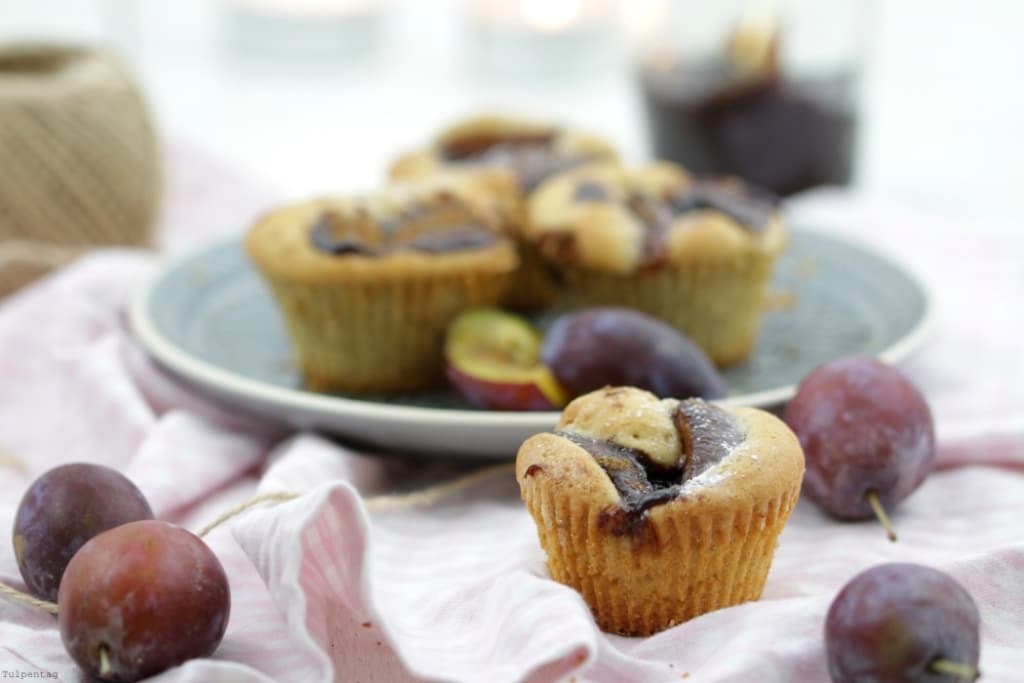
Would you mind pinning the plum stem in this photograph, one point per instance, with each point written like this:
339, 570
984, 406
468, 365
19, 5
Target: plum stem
876, 504
104, 662
958, 669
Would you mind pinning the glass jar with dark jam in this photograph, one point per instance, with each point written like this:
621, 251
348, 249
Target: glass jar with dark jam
763, 90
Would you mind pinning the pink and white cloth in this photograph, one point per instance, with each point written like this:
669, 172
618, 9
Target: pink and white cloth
326, 588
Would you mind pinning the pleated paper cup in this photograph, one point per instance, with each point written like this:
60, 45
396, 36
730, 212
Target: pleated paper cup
710, 548
368, 324
716, 301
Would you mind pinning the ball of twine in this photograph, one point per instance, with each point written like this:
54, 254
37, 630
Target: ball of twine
79, 159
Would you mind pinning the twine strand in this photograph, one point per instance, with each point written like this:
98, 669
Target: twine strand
279, 497
401, 501
11, 461
435, 493
27, 600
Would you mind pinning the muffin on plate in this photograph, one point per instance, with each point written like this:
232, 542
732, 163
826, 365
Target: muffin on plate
697, 253
516, 154
659, 510
367, 285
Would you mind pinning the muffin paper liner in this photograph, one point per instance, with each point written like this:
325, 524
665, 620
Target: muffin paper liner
716, 302
681, 562
378, 337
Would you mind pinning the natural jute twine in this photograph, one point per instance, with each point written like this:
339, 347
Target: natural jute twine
423, 497
79, 160
11, 461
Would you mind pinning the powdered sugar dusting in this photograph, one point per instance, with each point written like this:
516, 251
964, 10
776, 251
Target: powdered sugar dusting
711, 477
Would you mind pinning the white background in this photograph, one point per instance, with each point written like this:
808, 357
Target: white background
943, 102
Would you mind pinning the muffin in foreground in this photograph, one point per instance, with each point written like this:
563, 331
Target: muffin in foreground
515, 154
695, 253
367, 285
659, 510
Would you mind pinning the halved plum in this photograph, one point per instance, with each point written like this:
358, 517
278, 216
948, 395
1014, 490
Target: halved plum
493, 360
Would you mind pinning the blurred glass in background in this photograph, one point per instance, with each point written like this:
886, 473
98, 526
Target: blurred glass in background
542, 39
761, 89
313, 29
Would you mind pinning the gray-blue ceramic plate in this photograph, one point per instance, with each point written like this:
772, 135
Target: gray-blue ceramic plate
208, 319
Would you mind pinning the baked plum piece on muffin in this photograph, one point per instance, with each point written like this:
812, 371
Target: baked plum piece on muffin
697, 253
367, 285
525, 150
514, 154
659, 510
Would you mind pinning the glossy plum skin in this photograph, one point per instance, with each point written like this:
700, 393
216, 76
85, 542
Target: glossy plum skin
889, 623
607, 346
863, 427
61, 511
151, 594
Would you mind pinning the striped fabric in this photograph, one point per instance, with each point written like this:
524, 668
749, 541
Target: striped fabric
328, 588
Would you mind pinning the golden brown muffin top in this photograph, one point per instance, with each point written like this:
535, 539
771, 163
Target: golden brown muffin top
632, 418
438, 225
625, 450
623, 220
523, 150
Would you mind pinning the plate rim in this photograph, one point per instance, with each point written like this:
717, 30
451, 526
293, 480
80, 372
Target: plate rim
230, 383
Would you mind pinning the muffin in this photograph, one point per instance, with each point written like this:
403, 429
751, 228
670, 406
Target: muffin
697, 253
659, 510
367, 285
515, 155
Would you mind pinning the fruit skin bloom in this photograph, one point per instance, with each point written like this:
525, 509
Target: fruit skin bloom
61, 511
889, 624
140, 599
863, 427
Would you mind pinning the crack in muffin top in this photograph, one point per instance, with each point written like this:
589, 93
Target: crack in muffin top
439, 223
751, 208
649, 447
532, 155
612, 218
